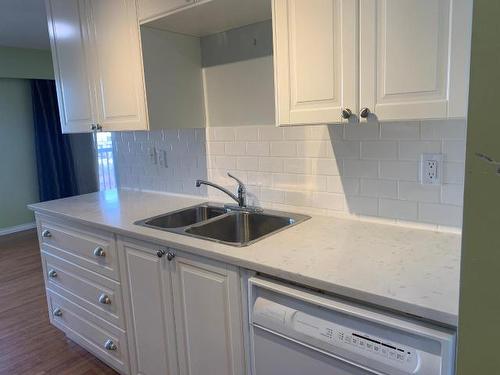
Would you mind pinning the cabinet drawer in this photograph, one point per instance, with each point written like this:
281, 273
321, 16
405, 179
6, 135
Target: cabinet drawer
96, 335
93, 292
95, 251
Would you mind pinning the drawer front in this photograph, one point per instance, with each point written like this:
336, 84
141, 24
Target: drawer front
96, 252
95, 293
96, 335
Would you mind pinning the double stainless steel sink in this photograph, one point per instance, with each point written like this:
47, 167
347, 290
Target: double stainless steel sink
225, 225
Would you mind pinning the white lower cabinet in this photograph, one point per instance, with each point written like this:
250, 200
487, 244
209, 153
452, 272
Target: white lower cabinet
184, 313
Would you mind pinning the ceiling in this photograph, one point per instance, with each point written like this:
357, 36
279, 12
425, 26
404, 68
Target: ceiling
23, 24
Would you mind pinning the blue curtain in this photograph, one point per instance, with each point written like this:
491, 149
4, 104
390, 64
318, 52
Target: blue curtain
55, 162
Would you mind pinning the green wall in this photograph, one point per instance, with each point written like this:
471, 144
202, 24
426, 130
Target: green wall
479, 319
25, 63
18, 181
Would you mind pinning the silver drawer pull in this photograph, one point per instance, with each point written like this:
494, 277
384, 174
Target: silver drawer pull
57, 312
104, 299
110, 345
99, 252
46, 233
52, 274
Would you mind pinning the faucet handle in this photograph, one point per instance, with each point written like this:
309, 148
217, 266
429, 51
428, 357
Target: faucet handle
237, 179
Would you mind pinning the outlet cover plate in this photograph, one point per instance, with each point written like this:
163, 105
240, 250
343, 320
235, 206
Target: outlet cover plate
431, 169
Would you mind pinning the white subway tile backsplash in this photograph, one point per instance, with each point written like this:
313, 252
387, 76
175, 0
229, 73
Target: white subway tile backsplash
379, 150
454, 173
452, 194
346, 149
369, 169
454, 150
330, 201
342, 185
362, 205
413, 150
414, 191
379, 188
247, 133
440, 214
297, 133
399, 170
298, 165
288, 149
247, 163
398, 209
362, 131
313, 149
360, 168
443, 130
400, 130
328, 167
271, 165
235, 148
258, 148
270, 133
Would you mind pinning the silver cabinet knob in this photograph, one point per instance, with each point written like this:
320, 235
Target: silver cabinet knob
52, 274
93, 127
46, 233
99, 252
104, 299
160, 253
170, 255
98, 127
346, 113
57, 312
110, 345
364, 112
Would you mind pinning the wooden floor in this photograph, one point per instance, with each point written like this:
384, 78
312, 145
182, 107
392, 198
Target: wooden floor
29, 345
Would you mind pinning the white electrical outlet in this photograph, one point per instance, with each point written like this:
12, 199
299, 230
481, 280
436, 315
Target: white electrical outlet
431, 168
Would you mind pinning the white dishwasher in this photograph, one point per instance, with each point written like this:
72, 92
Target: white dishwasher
298, 332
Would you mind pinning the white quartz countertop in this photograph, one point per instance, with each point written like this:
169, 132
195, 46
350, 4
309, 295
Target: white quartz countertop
409, 270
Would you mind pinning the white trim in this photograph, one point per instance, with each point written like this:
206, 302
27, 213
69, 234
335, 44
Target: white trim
16, 228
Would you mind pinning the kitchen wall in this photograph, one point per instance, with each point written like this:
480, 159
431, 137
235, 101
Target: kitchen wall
18, 186
366, 170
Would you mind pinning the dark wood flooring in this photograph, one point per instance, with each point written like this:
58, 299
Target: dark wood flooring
29, 345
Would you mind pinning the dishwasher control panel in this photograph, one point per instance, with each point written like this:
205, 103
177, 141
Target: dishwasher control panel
361, 343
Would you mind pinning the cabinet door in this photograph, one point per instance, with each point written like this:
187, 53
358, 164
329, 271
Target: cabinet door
414, 58
315, 52
148, 306
150, 9
117, 65
208, 317
68, 38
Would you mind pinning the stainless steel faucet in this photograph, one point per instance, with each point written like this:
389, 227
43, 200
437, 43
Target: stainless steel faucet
241, 199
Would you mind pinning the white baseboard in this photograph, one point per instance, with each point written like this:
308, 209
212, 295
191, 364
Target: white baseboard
17, 228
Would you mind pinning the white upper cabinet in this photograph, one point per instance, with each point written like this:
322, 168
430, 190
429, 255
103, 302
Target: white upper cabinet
70, 54
414, 58
98, 64
150, 9
315, 52
118, 65
398, 59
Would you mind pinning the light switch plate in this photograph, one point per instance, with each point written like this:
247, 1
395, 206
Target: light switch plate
431, 169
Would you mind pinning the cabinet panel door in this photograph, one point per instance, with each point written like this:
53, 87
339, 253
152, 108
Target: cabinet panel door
118, 68
68, 38
148, 304
410, 50
315, 50
208, 317
150, 9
